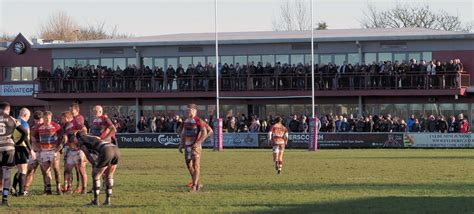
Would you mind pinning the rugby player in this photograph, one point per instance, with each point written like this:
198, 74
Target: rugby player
105, 164
49, 134
78, 121
195, 131
33, 162
22, 152
75, 157
102, 126
278, 134
7, 147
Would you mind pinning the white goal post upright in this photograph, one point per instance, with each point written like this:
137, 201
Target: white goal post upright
218, 126
313, 123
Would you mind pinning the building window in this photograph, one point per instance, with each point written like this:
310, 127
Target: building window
353, 58
107, 62
297, 58
58, 62
255, 59
14, 74
339, 59
282, 59
415, 56
400, 57
199, 59
325, 59
385, 57
211, 59
148, 61
119, 62
94, 62
82, 62
227, 59
160, 63
69, 62
369, 58
171, 61
185, 61
242, 60
427, 56
307, 59
268, 59
131, 61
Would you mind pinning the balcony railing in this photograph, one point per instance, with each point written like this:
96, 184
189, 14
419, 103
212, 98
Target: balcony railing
366, 81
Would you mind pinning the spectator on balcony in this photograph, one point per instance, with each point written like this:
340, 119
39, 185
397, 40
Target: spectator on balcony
190, 77
267, 72
118, 79
442, 124
206, 76
431, 125
232, 76
294, 124
147, 78
142, 124
431, 80
158, 75
180, 75
225, 77
152, 125
402, 126
58, 75
463, 124
452, 125
368, 124
411, 123
254, 125
169, 78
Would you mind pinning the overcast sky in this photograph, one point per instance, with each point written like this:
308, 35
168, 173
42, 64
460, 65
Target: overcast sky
147, 17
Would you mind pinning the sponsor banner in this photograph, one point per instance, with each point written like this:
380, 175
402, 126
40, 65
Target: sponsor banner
439, 140
144, 140
16, 90
342, 140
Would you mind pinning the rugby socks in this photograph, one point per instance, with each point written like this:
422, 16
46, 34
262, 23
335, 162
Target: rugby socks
16, 179
22, 181
96, 190
47, 189
6, 184
110, 184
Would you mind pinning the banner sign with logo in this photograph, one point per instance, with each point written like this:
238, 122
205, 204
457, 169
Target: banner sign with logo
439, 140
16, 90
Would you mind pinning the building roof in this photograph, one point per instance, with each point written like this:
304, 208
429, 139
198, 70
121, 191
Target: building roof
258, 37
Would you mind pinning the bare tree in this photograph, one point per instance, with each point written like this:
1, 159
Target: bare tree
4, 37
404, 15
61, 26
295, 15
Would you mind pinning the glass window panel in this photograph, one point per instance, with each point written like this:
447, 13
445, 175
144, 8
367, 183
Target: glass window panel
461, 108
199, 59
297, 58
227, 59
414, 56
282, 59
268, 59
339, 59
325, 59
119, 62
283, 109
255, 58
400, 57
7, 74
171, 61
307, 58
370, 58
416, 109
131, 61
431, 109
93, 62
353, 58
211, 110
26, 73
385, 56
185, 61
58, 62
148, 61
400, 110
371, 109
446, 109
69, 62
271, 110
211, 59
160, 62
82, 62
35, 72
147, 111
327, 109
297, 109
107, 62
427, 56
15, 74
242, 60
386, 109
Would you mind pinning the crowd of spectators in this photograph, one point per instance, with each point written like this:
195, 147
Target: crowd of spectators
299, 123
253, 76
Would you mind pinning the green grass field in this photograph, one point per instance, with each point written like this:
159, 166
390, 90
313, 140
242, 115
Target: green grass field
244, 181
